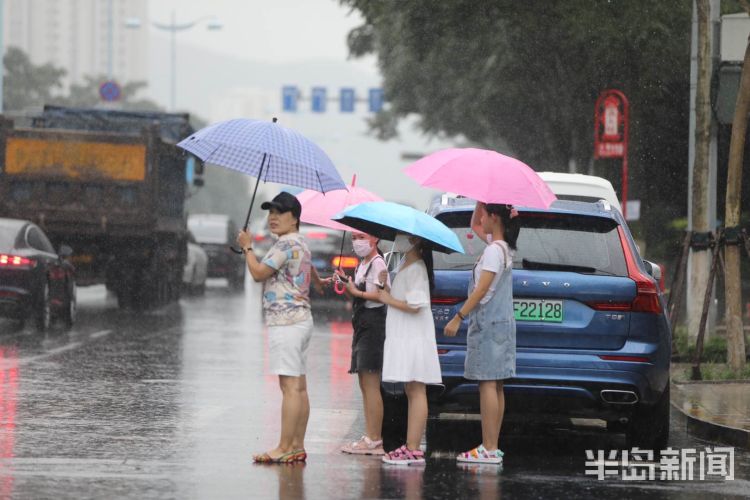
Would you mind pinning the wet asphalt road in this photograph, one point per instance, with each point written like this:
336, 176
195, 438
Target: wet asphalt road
173, 403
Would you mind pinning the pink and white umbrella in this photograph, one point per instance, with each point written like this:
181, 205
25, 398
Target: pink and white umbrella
318, 208
482, 175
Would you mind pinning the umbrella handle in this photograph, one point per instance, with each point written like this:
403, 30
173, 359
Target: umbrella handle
339, 287
252, 200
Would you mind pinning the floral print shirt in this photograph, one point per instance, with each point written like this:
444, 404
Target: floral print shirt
286, 294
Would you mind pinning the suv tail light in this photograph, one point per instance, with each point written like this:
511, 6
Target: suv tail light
16, 262
647, 292
345, 262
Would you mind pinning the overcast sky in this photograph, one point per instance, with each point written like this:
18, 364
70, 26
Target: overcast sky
265, 44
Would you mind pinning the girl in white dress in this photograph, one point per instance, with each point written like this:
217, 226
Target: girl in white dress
410, 352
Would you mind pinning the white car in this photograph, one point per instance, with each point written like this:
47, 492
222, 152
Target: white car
581, 187
196, 268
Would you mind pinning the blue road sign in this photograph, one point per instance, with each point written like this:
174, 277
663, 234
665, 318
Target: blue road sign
319, 99
289, 97
375, 100
347, 100
110, 91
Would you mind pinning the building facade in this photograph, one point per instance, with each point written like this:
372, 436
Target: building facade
85, 37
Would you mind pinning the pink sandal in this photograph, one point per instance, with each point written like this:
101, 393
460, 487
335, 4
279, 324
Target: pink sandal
404, 456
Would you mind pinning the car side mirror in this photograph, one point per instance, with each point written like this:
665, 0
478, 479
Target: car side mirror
65, 251
653, 270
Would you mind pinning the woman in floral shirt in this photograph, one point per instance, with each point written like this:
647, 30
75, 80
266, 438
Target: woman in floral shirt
286, 272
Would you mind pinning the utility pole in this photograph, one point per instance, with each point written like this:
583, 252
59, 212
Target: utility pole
732, 279
701, 218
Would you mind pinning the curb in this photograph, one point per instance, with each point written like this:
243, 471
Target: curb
712, 431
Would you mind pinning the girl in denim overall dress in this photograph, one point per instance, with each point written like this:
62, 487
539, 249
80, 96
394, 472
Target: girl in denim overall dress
491, 340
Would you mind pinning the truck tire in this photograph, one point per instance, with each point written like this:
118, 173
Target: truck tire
648, 428
71, 308
43, 310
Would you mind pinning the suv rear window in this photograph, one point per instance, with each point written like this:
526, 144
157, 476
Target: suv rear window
551, 239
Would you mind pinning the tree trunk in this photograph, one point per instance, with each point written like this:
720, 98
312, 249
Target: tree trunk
700, 259
732, 278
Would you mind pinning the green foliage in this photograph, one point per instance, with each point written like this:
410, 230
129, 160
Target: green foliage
27, 84
524, 76
714, 350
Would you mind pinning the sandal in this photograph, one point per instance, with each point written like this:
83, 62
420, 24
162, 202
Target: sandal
265, 458
299, 455
365, 446
404, 456
480, 455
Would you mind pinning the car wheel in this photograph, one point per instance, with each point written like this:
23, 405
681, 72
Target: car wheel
71, 309
395, 418
43, 313
649, 426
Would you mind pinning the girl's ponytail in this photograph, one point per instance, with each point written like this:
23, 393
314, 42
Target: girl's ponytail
509, 215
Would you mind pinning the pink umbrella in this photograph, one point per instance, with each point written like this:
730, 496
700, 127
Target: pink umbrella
482, 175
318, 208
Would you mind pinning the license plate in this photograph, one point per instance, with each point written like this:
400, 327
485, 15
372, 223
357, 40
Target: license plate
550, 311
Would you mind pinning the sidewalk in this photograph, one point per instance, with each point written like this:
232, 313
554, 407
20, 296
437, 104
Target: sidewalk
715, 411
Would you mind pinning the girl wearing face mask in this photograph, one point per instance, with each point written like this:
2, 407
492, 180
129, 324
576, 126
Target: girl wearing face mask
368, 320
410, 353
491, 339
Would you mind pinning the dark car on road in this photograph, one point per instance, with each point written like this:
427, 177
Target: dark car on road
215, 233
592, 335
35, 281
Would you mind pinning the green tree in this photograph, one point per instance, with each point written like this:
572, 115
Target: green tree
523, 77
86, 95
27, 84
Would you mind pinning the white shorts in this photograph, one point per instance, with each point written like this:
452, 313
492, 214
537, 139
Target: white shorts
287, 348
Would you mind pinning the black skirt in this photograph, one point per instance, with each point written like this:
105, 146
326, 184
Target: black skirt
368, 339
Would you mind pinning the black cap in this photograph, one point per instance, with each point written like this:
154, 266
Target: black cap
284, 202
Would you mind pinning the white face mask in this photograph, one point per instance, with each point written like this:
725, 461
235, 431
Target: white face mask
362, 247
402, 244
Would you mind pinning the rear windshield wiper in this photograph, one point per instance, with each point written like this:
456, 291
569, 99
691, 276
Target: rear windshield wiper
550, 266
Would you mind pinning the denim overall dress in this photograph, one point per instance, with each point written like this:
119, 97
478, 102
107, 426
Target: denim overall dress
491, 341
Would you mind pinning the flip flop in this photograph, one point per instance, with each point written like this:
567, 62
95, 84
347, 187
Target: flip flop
265, 458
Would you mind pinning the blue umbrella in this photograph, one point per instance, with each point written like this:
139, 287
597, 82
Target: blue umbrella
385, 220
267, 151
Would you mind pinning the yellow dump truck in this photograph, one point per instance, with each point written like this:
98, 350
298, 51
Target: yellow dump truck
109, 184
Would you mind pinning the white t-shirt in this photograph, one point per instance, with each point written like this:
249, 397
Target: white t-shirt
378, 265
493, 259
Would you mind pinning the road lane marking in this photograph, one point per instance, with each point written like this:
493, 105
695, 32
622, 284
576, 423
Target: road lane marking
51, 352
102, 333
61, 349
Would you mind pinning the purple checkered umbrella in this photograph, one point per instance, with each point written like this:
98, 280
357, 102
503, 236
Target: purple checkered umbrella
267, 151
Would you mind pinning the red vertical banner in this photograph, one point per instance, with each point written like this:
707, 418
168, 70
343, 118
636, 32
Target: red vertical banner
611, 122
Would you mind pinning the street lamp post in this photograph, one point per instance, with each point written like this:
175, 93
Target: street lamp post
173, 28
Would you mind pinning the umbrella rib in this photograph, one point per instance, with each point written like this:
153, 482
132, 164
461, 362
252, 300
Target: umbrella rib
208, 157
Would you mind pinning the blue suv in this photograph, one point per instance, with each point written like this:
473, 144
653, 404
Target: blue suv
593, 338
